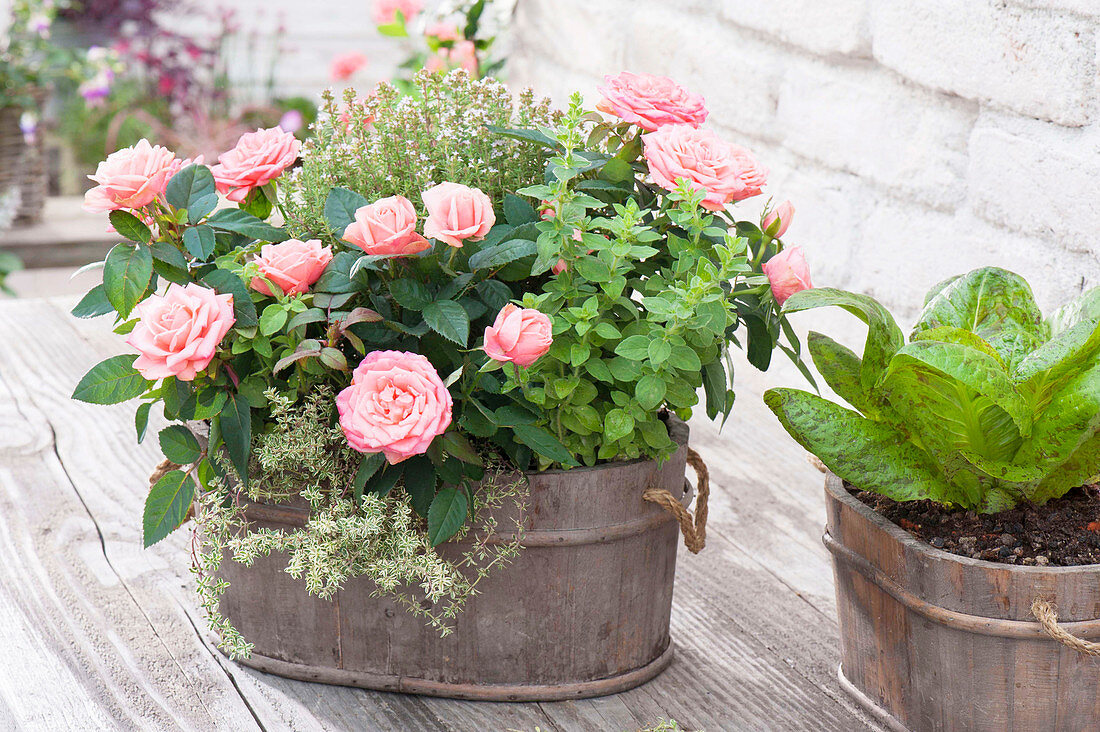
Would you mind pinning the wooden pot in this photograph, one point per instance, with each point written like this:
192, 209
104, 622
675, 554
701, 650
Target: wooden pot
582, 611
934, 641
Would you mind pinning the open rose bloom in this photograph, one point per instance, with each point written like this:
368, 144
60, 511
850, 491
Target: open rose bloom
258, 158
726, 172
131, 178
651, 102
292, 265
179, 332
457, 213
396, 405
387, 227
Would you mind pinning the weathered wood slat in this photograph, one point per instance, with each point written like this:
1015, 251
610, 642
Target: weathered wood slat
753, 617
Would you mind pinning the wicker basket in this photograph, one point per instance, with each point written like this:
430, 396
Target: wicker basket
22, 166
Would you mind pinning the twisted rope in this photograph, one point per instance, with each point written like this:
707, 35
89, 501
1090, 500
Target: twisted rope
693, 529
1047, 616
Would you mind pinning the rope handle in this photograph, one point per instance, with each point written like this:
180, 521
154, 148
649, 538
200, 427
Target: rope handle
693, 529
1047, 616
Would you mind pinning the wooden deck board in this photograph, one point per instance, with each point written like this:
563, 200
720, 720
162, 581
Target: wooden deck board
107, 634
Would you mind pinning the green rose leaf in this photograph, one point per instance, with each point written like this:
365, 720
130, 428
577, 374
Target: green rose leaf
200, 242
166, 506
237, 221
448, 319
518, 211
141, 420
111, 381
235, 423
193, 188
368, 466
420, 483
543, 443
340, 208
130, 226
126, 276
227, 283
501, 254
410, 294
446, 514
179, 445
94, 304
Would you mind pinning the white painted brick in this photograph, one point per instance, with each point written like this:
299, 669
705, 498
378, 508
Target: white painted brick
1038, 178
903, 250
577, 34
837, 26
867, 122
830, 209
551, 80
737, 74
1089, 8
1037, 63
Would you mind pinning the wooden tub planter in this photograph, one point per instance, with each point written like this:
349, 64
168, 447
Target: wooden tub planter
582, 611
935, 641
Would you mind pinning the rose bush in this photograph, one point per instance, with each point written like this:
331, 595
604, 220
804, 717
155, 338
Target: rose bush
547, 311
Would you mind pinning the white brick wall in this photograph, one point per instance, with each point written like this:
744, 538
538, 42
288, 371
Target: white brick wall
917, 139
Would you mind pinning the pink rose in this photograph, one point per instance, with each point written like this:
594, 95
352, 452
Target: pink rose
131, 177
778, 219
726, 172
386, 227
346, 64
457, 213
259, 158
442, 32
788, 273
519, 335
396, 405
462, 55
650, 101
179, 331
293, 265
385, 11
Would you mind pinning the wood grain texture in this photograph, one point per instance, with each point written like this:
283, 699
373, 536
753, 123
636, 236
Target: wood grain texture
115, 636
948, 643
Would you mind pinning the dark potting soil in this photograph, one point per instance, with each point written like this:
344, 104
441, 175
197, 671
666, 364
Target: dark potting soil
1064, 532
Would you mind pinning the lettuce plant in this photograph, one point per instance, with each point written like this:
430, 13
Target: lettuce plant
988, 405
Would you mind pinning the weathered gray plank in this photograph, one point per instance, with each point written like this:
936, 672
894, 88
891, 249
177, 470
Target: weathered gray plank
88, 641
753, 616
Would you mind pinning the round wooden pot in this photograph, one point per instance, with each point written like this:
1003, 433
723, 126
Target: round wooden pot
582, 611
934, 641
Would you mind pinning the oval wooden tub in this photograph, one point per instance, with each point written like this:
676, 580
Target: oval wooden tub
582, 611
933, 641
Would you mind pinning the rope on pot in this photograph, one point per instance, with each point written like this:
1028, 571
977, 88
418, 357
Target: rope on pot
694, 530
164, 468
1047, 616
